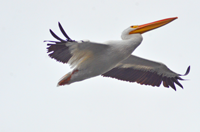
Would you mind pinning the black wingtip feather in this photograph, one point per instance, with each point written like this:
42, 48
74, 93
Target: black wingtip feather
63, 32
55, 36
51, 41
171, 83
179, 78
188, 70
59, 52
178, 83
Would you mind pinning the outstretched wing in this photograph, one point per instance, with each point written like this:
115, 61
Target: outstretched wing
70, 51
143, 71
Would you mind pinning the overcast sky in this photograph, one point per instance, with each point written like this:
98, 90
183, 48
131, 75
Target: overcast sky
30, 100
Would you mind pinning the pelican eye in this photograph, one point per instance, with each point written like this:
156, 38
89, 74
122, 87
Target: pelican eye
134, 26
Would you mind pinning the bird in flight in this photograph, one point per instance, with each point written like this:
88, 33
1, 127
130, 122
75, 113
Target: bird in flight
112, 58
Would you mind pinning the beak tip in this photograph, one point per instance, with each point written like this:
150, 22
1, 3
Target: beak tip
173, 18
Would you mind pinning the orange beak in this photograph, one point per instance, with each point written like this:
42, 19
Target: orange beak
150, 26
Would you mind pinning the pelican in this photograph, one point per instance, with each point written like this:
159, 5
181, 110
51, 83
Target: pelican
112, 58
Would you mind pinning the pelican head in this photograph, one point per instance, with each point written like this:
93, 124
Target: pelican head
140, 29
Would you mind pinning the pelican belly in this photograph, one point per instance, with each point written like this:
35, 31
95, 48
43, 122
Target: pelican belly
96, 66
106, 60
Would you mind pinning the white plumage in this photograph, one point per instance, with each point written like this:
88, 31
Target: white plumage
112, 58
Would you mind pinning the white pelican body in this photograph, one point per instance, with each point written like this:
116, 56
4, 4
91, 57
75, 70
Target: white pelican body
112, 58
102, 61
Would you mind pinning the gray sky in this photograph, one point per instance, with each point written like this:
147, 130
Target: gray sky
30, 100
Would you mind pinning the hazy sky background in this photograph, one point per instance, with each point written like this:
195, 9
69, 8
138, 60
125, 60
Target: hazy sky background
30, 100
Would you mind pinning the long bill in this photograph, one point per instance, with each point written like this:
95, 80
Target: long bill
150, 26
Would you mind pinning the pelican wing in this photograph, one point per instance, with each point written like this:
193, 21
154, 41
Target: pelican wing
143, 71
70, 51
